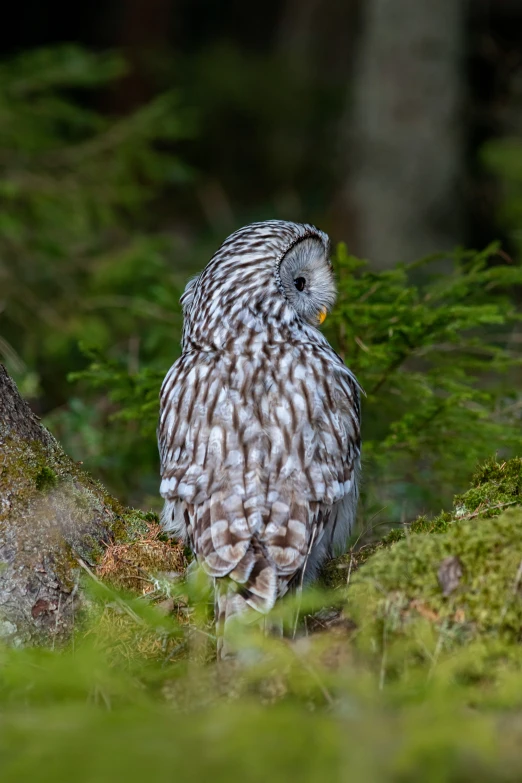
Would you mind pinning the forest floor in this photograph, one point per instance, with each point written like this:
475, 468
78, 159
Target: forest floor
414, 673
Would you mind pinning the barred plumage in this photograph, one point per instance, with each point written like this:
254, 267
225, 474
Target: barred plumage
259, 431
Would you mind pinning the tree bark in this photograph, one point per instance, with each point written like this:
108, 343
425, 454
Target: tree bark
52, 514
404, 138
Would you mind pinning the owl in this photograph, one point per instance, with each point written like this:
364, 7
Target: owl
259, 431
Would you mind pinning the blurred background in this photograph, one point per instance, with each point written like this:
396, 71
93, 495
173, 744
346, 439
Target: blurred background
136, 134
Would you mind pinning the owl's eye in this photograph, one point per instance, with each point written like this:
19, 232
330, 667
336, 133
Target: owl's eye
300, 283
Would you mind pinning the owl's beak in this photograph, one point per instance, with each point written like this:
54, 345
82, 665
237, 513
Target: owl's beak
322, 315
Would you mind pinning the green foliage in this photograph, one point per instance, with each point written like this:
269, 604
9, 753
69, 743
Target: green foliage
135, 395
72, 180
81, 259
105, 729
46, 478
433, 356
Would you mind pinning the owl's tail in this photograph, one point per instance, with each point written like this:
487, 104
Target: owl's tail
251, 585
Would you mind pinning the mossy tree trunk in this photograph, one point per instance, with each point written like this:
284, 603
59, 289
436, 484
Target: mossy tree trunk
52, 515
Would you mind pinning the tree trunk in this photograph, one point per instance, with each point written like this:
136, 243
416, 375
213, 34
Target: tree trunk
52, 514
405, 131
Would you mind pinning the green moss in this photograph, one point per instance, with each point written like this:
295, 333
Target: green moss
398, 602
438, 524
46, 478
398, 597
65, 563
495, 486
113, 504
30, 472
30, 465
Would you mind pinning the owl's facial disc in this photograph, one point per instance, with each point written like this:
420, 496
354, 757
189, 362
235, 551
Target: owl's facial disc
307, 280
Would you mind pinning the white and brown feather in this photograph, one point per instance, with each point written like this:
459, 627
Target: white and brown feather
259, 431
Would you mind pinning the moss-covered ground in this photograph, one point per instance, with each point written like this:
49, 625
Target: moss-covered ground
419, 679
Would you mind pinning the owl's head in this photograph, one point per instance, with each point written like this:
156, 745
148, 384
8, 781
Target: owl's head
272, 272
305, 277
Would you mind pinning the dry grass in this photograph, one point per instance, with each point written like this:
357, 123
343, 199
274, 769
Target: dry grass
135, 566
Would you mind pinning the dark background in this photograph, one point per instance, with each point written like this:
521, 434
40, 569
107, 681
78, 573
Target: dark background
275, 88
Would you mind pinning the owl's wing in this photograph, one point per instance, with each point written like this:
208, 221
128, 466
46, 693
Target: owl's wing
317, 492
344, 509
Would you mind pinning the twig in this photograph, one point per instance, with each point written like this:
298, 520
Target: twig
300, 588
71, 599
369, 292
361, 345
488, 508
390, 370
369, 528
349, 569
91, 574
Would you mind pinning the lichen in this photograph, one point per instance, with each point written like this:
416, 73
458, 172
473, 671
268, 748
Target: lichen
136, 523
29, 468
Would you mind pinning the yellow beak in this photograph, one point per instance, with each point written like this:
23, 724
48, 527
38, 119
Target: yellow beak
322, 315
